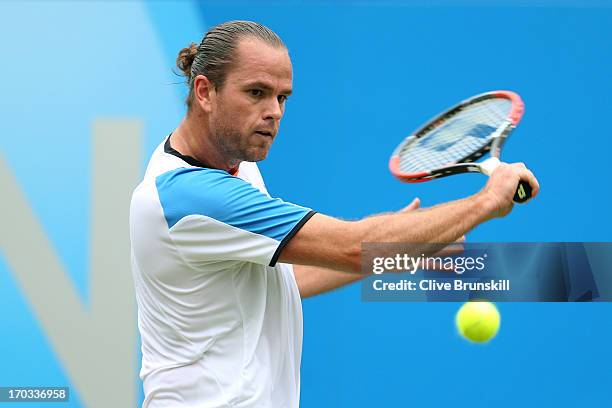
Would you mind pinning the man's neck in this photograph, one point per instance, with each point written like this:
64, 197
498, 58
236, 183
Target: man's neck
191, 138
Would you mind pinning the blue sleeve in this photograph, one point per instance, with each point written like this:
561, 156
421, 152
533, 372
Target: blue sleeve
219, 196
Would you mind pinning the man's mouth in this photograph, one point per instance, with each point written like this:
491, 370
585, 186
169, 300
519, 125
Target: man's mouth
264, 133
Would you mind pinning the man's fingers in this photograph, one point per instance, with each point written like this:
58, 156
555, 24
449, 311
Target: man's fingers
454, 248
412, 206
527, 175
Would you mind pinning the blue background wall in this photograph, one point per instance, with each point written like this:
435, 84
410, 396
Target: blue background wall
364, 76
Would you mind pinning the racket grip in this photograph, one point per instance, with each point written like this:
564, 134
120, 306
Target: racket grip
523, 192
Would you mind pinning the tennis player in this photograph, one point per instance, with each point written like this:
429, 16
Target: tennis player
219, 265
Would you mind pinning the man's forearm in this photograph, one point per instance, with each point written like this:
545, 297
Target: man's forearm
335, 244
443, 223
314, 280
439, 224
331, 243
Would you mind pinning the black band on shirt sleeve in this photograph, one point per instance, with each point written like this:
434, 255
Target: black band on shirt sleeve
290, 235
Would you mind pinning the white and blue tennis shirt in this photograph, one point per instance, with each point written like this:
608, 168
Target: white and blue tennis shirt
220, 321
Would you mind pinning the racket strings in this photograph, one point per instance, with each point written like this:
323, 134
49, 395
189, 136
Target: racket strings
458, 137
455, 138
470, 130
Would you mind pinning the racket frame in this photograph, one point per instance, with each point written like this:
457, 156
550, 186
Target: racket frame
468, 163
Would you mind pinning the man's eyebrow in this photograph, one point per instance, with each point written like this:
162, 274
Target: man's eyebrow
267, 87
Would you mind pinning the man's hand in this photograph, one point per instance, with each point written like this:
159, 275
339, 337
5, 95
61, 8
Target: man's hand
502, 184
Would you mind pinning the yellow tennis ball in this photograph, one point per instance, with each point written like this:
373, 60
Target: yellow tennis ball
478, 321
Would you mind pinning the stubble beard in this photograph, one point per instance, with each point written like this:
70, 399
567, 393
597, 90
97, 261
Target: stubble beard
229, 142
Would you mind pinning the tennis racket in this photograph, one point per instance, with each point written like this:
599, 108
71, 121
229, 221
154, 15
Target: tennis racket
451, 142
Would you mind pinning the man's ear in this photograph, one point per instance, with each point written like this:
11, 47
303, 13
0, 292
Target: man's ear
204, 93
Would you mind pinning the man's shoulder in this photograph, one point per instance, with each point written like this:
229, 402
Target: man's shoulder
197, 181
206, 192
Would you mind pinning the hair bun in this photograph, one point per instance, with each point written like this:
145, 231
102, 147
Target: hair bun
185, 59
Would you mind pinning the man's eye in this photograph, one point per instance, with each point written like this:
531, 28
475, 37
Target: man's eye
282, 98
256, 92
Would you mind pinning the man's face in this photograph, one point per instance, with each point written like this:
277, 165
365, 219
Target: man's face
247, 109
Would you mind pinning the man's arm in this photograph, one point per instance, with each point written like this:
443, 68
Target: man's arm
334, 244
313, 280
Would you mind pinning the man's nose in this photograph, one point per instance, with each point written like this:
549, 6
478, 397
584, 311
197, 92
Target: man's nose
273, 110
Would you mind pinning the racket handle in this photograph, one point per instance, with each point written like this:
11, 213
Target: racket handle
523, 192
